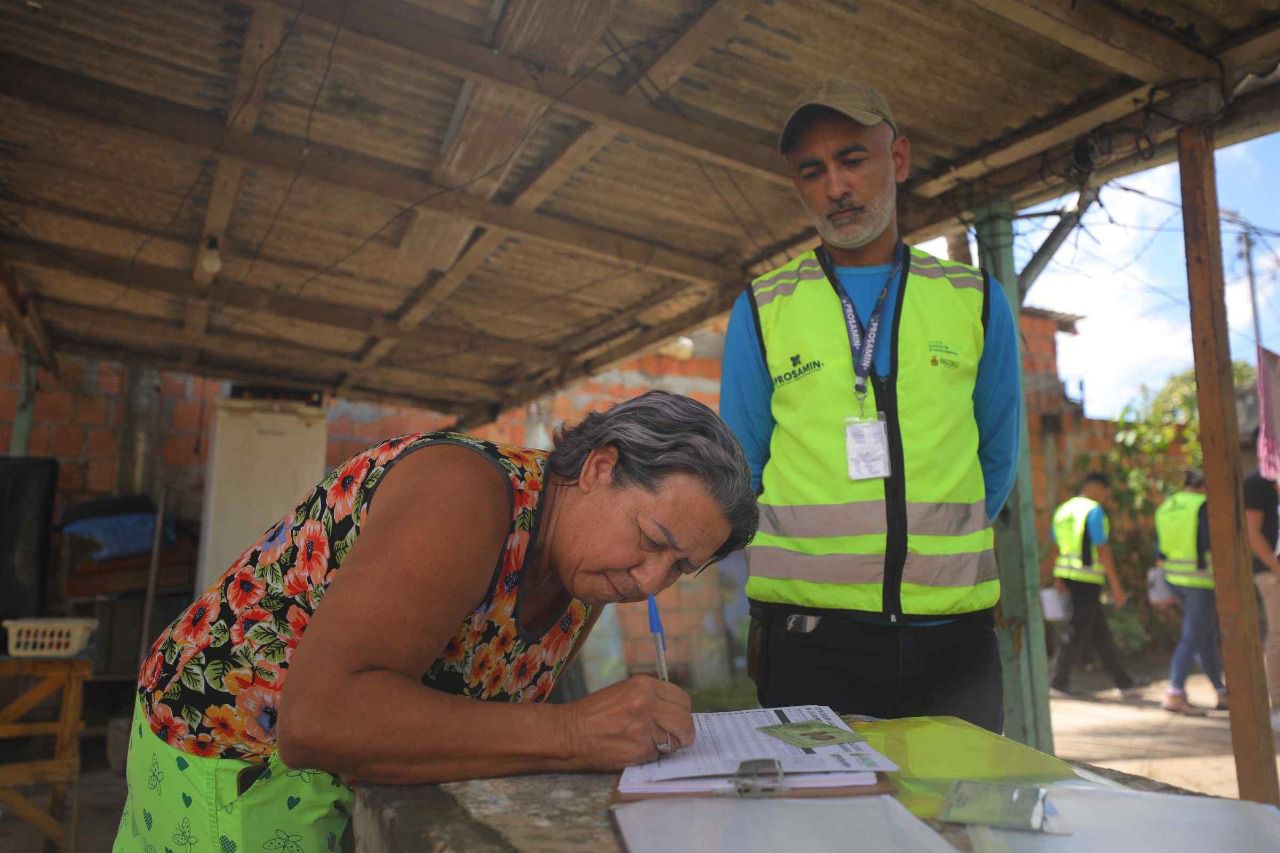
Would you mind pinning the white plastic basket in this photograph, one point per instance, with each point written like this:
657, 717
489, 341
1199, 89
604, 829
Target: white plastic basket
48, 637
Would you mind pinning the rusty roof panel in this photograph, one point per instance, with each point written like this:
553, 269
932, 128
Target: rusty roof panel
962, 81
181, 50
376, 99
928, 59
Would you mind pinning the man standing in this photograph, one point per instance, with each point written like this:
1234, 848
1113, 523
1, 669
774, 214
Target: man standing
876, 392
1182, 544
1082, 562
1260, 506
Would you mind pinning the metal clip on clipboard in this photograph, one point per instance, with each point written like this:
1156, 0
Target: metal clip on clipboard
759, 777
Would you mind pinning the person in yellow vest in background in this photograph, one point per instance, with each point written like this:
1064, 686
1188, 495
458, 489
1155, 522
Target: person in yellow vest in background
1082, 563
1182, 543
876, 392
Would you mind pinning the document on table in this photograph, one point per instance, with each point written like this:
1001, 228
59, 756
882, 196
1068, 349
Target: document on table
725, 740
725, 825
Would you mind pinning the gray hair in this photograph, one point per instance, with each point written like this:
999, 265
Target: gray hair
658, 434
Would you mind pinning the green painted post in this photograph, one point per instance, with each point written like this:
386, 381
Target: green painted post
1019, 622
20, 437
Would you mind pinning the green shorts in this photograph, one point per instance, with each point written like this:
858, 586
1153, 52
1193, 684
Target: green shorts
188, 804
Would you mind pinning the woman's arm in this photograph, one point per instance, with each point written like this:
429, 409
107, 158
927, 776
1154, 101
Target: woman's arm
353, 702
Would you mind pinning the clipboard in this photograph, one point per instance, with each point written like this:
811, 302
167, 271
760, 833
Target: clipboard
762, 778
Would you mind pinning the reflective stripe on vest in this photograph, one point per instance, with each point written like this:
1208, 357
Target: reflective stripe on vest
1069, 523
1178, 526
822, 540
868, 517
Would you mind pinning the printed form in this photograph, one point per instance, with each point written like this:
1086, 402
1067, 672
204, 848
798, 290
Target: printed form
725, 740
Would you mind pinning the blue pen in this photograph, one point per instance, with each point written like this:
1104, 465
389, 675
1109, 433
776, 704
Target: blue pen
659, 638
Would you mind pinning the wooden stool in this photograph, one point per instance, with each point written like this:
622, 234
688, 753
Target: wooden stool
63, 770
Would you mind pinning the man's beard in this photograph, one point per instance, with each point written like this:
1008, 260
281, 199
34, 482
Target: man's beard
875, 218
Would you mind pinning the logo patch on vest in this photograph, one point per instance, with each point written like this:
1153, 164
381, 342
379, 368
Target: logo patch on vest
940, 354
799, 369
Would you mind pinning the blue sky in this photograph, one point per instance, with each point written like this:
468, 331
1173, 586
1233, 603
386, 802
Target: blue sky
1126, 275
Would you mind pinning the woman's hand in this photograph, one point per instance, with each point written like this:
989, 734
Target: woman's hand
625, 722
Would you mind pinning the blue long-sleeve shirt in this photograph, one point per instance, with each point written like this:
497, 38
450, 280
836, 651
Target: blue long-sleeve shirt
746, 388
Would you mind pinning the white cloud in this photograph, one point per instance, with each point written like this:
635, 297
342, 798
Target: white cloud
1125, 274
1136, 329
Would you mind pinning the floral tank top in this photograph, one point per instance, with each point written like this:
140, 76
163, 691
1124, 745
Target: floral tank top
211, 683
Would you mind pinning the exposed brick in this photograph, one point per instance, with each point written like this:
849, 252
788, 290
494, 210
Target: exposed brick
101, 477
174, 385
66, 441
110, 379
71, 477
6, 432
102, 443
342, 427
179, 450
52, 406
185, 417
39, 441
10, 368
8, 403
91, 411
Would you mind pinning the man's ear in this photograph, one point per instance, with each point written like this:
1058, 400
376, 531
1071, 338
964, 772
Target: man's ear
597, 470
900, 151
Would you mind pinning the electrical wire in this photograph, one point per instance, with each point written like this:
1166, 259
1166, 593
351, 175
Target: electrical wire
306, 142
653, 101
211, 159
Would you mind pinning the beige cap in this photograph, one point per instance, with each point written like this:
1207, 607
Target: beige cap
856, 100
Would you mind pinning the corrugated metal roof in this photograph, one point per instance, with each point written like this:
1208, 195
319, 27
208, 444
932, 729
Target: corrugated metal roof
650, 205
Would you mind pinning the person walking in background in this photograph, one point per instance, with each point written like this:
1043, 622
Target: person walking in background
1082, 562
1182, 545
1260, 511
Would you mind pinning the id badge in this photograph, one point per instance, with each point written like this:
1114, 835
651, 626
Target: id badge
866, 442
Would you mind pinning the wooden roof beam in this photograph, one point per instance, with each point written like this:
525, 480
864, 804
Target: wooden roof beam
19, 315
1109, 37
261, 40
1030, 143
399, 23
1258, 53
233, 295
712, 27
490, 125
111, 104
272, 380
1196, 104
1259, 50
89, 322
597, 358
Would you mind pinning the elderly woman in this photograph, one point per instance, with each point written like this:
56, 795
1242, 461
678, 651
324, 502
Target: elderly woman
355, 638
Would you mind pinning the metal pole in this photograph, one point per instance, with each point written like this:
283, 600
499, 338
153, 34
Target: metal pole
153, 569
1246, 239
1019, 620
1054, 241
20, 436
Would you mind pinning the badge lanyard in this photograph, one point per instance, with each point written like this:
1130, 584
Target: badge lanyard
862, 342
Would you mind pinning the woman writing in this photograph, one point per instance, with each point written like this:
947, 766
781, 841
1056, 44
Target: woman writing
355, 638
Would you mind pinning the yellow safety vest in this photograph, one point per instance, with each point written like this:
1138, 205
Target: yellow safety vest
1069, 523
1178, 526
919, 542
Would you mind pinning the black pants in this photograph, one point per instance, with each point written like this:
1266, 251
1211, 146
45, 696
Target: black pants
880, 670
1088, 626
